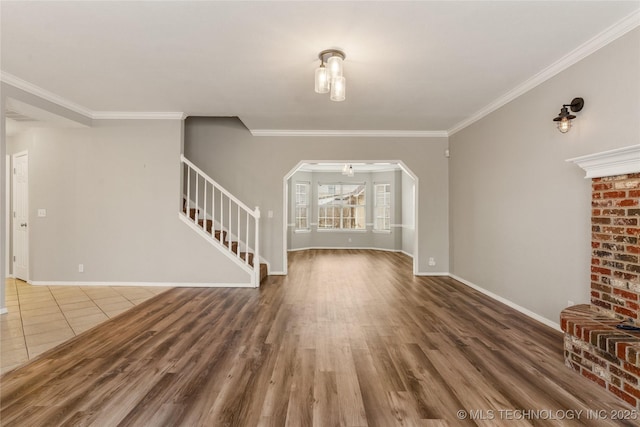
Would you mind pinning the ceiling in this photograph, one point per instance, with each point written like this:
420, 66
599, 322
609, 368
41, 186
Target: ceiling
410, 66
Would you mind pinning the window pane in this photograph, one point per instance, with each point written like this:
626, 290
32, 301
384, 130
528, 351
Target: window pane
382, 208
341, 206
359, 220
302, 205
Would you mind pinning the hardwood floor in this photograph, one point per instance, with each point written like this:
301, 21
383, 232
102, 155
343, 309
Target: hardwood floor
347, 338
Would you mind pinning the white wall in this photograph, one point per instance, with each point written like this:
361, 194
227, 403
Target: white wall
253, 168
408, 220
520, 215
112, 195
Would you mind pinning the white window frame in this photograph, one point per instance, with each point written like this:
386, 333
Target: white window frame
341, 206
382, 211
302, 205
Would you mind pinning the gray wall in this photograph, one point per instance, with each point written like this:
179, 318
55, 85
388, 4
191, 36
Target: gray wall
253, 168
6, 92
345, 238
112, 195
520, 215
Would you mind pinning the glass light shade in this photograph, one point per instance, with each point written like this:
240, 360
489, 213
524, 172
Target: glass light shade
564, 125
335, 66
338, 88
322, 80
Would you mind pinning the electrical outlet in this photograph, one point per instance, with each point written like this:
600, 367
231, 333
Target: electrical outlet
432, 261
570, 303
349, 239
80, 268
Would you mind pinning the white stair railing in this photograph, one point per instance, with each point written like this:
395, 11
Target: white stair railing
228, 222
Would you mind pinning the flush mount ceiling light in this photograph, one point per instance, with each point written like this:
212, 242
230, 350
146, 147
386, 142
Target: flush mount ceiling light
347, 169
564, 118
329, 76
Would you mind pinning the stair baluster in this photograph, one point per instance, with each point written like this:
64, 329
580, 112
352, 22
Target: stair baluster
223, 229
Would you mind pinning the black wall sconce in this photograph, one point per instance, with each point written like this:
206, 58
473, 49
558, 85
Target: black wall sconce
564, 118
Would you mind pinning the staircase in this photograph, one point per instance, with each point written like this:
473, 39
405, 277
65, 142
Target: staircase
223, 220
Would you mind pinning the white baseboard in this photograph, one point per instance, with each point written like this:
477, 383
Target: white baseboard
164, 284
429, 273
507, 302
358, 248
4, 310
277, 273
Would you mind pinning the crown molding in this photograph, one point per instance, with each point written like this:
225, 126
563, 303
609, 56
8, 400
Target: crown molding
600, 40
352, 133
138, 115
77, 108
44, 94
610, 163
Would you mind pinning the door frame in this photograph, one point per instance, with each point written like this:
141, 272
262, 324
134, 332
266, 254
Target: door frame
8, 265
12, 215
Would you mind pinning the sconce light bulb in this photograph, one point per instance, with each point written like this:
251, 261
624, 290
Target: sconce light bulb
564, 125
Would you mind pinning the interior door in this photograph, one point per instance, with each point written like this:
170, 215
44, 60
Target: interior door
21, 216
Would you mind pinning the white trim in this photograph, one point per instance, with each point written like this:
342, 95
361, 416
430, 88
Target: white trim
4, 310
94, 115
600, 40
44, 94
342, 230
352, 133
509, 303
407, 254
8, 265
434, 273
163, 284
138, 115
362, 248
610, 163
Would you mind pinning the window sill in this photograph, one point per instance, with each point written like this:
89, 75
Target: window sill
339, 230
302, 231
382, 231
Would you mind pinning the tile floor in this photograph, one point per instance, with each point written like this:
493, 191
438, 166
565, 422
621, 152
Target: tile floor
41, 317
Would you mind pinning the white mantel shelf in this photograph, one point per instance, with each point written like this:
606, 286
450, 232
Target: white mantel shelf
610, 163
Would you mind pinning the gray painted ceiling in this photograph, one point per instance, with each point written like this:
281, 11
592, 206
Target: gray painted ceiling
423, 66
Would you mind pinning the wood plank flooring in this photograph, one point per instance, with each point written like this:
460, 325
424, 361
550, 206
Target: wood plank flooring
348, 338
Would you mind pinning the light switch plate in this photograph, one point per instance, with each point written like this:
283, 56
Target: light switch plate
42, 213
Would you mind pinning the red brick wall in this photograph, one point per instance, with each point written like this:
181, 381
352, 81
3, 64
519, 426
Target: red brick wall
615, 243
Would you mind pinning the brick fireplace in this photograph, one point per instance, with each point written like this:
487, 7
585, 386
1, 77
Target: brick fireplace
615, 287
594, 346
